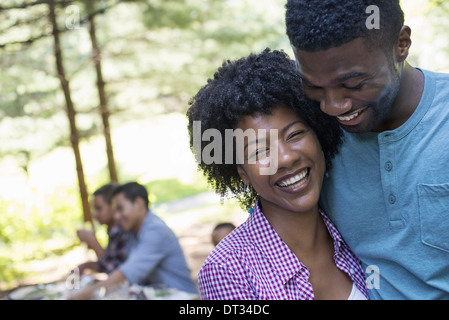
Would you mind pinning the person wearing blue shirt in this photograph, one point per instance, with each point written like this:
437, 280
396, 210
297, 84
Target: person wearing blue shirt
155, 256
388, 189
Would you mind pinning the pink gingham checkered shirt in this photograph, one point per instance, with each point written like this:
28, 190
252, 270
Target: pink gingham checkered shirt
254, 263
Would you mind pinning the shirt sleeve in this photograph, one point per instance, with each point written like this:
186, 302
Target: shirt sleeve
221, 282
144, 258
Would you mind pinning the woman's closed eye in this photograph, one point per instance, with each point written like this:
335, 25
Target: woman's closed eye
295, 135
257, 154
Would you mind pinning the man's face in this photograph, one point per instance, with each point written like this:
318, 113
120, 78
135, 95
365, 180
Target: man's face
125, 212
102, 210
356, 84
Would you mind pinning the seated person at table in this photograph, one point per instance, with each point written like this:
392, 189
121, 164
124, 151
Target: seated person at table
155, 256
116, 251
282, 145
220, 231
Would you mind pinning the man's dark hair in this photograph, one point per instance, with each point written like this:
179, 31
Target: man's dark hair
314, 25
132, 191
256, 84
106, 192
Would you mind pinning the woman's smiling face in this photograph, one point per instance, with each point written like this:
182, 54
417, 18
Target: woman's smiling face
296, 184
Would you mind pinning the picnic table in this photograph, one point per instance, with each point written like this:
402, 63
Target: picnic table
64, 289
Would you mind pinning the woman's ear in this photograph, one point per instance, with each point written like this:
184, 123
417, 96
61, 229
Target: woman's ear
243, 174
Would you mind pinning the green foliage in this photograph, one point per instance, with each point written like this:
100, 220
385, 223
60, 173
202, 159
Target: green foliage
172, 189
170, 14
34, 231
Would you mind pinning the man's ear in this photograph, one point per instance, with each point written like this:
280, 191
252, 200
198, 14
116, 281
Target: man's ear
139, 202
401, 49
243, 174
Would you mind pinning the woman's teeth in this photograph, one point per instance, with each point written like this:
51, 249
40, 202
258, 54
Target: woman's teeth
295, 181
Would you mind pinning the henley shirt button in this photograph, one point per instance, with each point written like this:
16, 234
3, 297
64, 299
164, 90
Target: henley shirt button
392, 199
388, 166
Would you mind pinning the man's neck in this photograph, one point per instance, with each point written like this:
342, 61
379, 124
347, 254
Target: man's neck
408, 98
139, 223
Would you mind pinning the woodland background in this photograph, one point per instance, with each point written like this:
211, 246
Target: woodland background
95, 91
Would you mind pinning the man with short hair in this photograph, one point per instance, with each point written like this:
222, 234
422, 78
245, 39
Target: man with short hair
155, 256
116, 251
388, 189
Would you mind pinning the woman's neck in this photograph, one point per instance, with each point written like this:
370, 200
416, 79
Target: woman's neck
303, 232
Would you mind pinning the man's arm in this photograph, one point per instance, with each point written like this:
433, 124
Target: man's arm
89, 265
112, 282
88, 236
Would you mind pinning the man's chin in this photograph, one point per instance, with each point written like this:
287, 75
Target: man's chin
356, 129
364, 126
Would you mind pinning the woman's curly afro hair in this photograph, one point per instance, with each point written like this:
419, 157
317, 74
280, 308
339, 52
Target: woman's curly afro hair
256, 84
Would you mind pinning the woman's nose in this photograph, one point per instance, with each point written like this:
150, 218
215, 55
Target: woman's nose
286, 156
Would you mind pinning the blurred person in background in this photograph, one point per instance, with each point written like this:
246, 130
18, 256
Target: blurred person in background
155, 255
116, 251
220, 231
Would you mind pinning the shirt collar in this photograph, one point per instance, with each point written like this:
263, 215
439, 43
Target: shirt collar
336, 237
283, 260
116, 229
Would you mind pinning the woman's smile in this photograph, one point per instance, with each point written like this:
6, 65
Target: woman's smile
295, 182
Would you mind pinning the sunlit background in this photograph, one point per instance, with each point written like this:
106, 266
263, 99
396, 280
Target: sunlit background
155, 55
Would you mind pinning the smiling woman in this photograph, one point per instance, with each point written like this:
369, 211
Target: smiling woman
288, 248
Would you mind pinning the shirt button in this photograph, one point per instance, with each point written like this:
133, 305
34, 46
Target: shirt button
392, 198
388, 166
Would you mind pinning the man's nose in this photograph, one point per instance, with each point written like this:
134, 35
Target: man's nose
334, 103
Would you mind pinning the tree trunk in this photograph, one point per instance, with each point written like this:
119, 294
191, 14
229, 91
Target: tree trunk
74, 137
96, 57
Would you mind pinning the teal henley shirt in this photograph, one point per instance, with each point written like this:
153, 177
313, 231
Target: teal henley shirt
388, 195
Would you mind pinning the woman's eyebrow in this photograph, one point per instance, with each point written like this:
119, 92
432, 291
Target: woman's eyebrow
287, 127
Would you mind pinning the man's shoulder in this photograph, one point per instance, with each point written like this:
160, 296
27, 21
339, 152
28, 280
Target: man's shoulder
438, 75
437, 96
441, 79
155, 227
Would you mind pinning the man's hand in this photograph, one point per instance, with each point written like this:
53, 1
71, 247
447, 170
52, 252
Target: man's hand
88, 236
112, 282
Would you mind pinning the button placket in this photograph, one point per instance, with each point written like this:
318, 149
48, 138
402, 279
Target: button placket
388, 177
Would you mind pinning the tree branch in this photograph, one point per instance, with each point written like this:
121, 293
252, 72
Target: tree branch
34, 3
